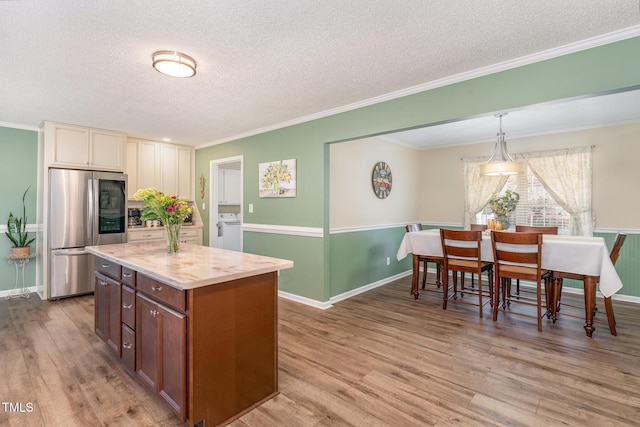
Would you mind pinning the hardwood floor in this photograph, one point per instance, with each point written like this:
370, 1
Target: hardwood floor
377, 359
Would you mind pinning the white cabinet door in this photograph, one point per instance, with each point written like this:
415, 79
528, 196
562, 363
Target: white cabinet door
132, 168
70, 145
106, 150
185, 173
84, 148
231, 187
168, 170
167, 167
148, 164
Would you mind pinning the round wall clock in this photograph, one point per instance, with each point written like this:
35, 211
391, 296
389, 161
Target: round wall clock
381, 180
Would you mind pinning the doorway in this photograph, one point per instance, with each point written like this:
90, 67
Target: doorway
225, 200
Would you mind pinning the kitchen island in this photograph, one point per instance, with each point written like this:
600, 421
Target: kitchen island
199, 327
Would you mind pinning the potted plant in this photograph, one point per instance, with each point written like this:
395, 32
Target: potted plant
17, 232
502, 206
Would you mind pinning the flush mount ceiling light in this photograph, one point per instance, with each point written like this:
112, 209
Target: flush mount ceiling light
174, 64
501, 163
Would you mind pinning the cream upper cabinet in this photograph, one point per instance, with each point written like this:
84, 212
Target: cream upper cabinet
184, 162
132, 168
80, 147
167, 167
149, 164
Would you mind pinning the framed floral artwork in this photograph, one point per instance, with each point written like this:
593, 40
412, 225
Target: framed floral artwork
277, 178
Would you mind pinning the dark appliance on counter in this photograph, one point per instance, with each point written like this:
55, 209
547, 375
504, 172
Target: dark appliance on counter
134, 217
85, 209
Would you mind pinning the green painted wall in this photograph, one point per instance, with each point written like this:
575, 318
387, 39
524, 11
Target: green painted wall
19, 153
606, 68
359, 258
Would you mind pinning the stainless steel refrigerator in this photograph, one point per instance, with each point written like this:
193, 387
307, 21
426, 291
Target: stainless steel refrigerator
86, 208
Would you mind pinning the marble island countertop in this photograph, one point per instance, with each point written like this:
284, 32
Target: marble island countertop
194, 266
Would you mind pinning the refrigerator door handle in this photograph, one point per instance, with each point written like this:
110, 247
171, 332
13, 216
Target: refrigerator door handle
70, 252
91, 191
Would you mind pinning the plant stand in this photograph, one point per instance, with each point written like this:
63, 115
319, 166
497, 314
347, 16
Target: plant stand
19, 262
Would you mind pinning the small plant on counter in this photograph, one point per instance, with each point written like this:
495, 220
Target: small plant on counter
17, 230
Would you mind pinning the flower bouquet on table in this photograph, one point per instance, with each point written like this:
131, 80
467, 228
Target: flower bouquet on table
503, 205
168, 209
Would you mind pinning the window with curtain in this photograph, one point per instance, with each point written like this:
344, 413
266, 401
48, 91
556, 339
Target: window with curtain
555, 189
536, 206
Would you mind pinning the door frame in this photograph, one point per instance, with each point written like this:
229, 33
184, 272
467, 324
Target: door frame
214, 166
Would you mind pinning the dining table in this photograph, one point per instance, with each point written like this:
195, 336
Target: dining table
582, 255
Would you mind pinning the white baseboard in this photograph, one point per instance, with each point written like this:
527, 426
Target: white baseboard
304, 300
346, 295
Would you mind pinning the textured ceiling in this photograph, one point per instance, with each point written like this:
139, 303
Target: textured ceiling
260, 63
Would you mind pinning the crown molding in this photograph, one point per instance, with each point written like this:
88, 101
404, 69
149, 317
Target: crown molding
18, 126
586, 44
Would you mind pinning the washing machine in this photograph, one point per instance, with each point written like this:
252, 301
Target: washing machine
229, 235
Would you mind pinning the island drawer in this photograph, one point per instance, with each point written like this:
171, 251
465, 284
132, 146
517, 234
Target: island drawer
109, 268
162, 292
128, 277
128, 307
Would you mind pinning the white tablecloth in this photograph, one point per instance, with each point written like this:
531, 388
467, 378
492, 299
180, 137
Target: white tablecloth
569, 254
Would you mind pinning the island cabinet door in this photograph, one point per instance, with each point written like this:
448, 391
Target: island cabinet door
161, 336
101, 309
114, 315
108, 310
147, 341
172, 381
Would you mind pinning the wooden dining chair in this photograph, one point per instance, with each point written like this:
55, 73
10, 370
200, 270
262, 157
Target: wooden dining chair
478, 227
534, 229
473, 227
462, 252
519, 256
559, 276
425, 259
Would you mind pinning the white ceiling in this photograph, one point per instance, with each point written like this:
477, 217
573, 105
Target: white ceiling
562, 116
262, 64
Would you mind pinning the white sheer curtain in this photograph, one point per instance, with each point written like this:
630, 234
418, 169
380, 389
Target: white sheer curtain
567, 176
478, 189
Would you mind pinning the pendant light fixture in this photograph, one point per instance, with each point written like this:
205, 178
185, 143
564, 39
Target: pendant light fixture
174, 64
500, 163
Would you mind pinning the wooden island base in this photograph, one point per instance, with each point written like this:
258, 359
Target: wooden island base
234, 351
208, 348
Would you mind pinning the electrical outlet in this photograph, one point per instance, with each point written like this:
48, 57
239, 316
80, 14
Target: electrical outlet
388, 261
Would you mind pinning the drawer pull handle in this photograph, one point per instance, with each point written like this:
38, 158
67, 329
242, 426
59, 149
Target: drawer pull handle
127, 305
126, 345
106, 265
103, 283
156, 288
154, 313
127, 274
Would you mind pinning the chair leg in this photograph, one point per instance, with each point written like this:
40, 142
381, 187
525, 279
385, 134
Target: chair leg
559, 293
438, 274
424, 274
539, 300
445, 289
610, 316
480, 302
496, 298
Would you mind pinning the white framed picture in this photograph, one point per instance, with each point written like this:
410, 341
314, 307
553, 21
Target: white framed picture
277, 178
